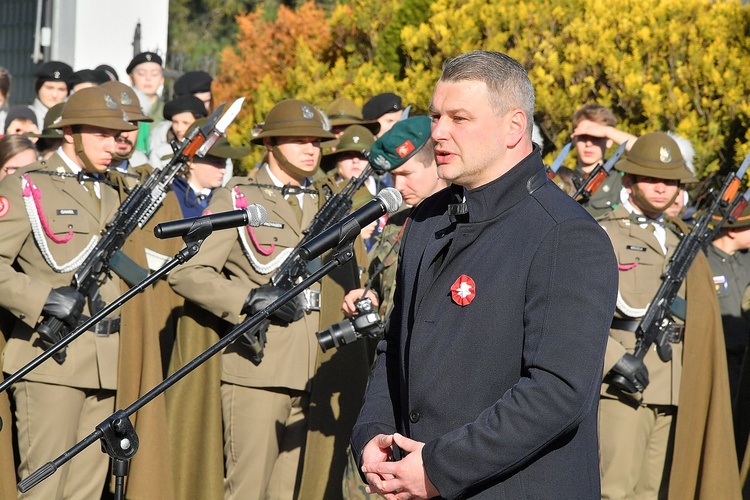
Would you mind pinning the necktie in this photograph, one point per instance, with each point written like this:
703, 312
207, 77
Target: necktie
294, 203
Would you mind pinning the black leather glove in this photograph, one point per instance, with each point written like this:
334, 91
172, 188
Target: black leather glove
64, 303
261, 297
633, 374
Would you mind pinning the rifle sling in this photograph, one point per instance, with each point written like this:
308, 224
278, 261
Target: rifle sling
127, 269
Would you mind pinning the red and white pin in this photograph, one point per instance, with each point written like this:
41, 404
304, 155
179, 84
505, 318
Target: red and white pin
463, 290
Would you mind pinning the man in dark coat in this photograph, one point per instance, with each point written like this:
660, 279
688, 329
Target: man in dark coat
487, 381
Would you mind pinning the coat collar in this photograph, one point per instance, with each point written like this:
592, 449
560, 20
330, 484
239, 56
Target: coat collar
494, 198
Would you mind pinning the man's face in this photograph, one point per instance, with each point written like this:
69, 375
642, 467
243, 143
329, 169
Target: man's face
51, 93
206, 98
470, 138
99, 146
22, 126
207, 174
657, 192
181, 123
388, 120
590, 150
415, 181
350, 164
125, 142
147, 77
302, 152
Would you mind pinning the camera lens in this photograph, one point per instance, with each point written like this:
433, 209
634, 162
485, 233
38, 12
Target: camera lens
337, 335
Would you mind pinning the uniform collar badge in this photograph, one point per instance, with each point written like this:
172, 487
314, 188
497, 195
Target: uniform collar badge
463, 290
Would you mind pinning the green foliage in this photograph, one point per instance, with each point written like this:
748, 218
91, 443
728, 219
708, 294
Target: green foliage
672, 65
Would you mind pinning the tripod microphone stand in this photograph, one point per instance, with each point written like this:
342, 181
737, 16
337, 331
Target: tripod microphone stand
117, 433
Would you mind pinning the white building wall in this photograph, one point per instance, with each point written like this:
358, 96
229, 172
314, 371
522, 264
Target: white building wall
87, 33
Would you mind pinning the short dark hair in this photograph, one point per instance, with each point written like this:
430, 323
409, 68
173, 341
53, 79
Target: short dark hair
11, 145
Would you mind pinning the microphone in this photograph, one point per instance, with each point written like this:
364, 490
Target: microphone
387, 201
254, 215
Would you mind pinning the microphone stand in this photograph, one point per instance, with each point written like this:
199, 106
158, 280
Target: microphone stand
118, 436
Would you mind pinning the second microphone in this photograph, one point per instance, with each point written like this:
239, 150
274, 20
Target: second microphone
254, 215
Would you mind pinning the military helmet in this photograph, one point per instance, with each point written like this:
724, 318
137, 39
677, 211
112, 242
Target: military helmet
96, 107
355, 138
53, 114
344, 112
128, 100
656, 155
293, 118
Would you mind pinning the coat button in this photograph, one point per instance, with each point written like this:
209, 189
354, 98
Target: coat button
414, 416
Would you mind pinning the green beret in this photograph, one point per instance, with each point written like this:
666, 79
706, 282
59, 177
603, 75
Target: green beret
400, 143
655, 155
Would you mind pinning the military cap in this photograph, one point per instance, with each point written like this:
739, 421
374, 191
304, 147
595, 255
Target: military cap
20, 112
293, 118
128, 100
355, 138
193, 82
52, 71
96, 107
741, 222
143, 57
109, 71
87, 75
185, 104
343, 111
381, 104
53, 114
400, 143
655, 155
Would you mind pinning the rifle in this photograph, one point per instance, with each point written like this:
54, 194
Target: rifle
658, 325
134, 212
597, 176
294, 267
552, 169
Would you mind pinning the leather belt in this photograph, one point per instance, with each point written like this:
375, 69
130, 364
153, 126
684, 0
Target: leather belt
312, 300
105, 327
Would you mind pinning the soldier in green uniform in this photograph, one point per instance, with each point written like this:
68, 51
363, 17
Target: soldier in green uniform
642, 443
51, 215
270, 409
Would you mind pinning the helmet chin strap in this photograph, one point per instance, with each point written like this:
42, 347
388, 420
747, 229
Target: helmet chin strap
644, 203
120, 157
296, 171
78, 142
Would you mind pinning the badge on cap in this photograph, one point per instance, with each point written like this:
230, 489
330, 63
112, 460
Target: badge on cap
307, 112
148, 57
382, 162
463, 290
56, 74
125, 99
665, 155
4, 206
111, 104
404, 149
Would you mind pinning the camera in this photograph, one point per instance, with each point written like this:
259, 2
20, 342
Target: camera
365, 324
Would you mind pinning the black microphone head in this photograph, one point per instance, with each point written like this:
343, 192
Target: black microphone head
256, 214
391, 198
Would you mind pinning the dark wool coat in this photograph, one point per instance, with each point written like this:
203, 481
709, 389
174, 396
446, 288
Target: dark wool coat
504, 390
